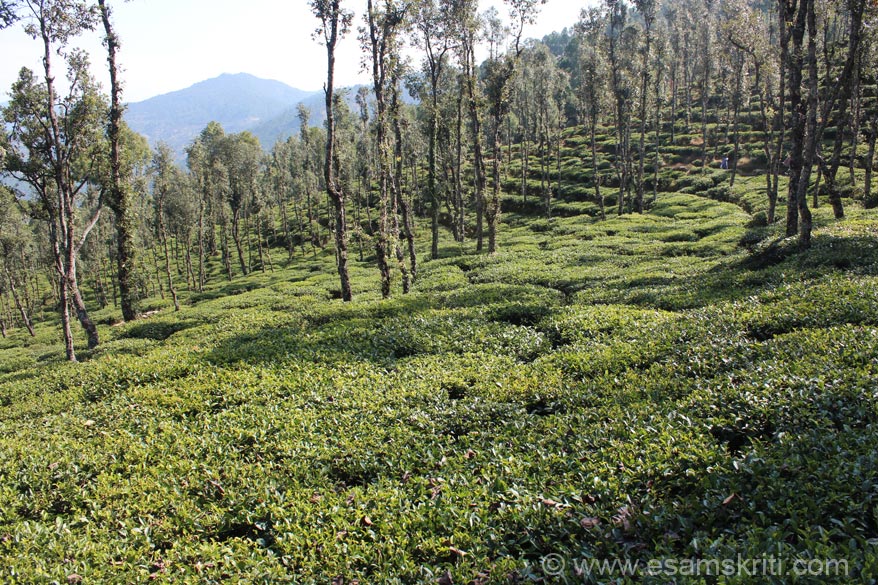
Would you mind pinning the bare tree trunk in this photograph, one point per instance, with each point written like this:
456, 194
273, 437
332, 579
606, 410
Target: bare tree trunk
236, 237
644, 84
492, 209
810, 129
594, 166
396, 185
358, 215
842, 90
201, 275
798, 110
458, 170
4, 316
736, 99
21, 308
65, 317
705, 85
158, 273
870, 160
478, 159
855, 129
378, 40
248, 239
658, 130
190, 273
163, 237
224, 244
71, 250
105, 270
259, 252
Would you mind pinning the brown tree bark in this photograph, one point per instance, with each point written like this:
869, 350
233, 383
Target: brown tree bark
118, 196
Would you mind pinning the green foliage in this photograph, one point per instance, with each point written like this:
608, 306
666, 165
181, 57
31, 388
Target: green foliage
682, 383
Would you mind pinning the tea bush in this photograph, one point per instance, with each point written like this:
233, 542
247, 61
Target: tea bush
641, 387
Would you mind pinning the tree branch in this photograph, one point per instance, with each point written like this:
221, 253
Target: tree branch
92, 222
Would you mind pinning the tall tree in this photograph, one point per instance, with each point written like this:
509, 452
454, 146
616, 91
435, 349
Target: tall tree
52, 143
430, 18
381, 41
840, 91
591, 87
119, 193
241, 155
618, 43
646, 8
15, 246
499, 71
465, 22
803, 125
166, 176
334, 23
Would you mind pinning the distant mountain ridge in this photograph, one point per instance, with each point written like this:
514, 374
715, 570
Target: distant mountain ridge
237, 101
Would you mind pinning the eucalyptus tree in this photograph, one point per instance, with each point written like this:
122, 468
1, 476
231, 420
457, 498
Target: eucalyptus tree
498, 72
452, 142
8, 13
671, 16
681, 18
262, 214
349, 138
872, 134
52, 138
280, 180
334, 23
737, 52
524, 110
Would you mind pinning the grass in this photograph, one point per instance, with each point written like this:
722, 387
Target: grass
642, 387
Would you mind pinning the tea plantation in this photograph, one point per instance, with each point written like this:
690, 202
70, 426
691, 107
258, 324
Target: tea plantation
675, 385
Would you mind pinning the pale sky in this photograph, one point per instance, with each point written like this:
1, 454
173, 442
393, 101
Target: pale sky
170, 44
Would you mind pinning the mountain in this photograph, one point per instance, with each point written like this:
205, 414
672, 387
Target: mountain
237, 101
286, 123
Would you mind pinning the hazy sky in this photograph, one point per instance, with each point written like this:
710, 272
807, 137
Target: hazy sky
171, 44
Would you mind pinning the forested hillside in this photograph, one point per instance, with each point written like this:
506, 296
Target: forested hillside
605, 296
238, 102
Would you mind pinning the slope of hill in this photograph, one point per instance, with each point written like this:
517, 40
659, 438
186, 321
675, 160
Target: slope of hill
238, 102
682, 384
636, 388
